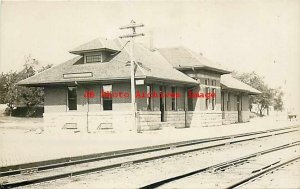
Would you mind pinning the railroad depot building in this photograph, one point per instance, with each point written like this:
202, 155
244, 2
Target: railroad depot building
103, 66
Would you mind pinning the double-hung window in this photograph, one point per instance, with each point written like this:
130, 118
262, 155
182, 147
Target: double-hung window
72, 98
206, 81
149, 99
213, 99
206, 98
107, 97
213, 82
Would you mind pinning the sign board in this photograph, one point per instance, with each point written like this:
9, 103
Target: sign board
139, 82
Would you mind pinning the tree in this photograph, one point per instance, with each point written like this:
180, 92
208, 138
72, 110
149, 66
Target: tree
2, 87
14, 95
9, 90
268, 95
278, 102
29, 96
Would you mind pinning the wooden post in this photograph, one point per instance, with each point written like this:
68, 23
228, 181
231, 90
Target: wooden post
132, 26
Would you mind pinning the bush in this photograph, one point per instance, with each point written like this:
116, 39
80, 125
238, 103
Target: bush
36, 111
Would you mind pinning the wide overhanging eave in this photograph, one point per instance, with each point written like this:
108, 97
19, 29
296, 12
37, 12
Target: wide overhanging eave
222, 71
81, 52
240, 90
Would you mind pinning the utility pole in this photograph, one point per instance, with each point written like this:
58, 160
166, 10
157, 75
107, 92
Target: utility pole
132, 26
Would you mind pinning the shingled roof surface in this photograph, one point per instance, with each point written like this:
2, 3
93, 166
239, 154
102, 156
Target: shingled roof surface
181, 57
230, 82
150, 65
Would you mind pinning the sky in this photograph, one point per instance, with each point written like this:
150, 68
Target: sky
261, 36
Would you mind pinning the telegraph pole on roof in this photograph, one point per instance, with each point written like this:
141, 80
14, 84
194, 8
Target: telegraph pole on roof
133, 25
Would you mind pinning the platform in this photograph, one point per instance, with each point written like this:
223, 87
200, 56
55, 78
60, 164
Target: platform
19, 145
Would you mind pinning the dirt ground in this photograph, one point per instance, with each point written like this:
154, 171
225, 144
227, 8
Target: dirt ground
23, 140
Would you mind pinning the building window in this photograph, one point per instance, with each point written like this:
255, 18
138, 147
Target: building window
174, 99
107, 97
149, 101
72, 98
213, 82
93, 58
206, 81
206, 99
214, 99
228, 102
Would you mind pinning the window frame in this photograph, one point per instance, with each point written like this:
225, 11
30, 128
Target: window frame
93, 59
68, 98
149, 98
214, 82
214, 91
206, 81
105, 99
207, 100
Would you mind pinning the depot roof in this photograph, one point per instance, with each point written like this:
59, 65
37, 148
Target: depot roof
150, 64
184, 58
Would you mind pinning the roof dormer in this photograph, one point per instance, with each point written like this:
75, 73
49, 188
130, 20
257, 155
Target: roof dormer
98, 50
97, 45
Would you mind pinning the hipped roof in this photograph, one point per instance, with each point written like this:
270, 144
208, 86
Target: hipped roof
184, 58
161, 65
150, 65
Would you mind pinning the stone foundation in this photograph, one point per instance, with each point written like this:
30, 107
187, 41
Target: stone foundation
149, 120
121, 120
91, 122
175, 119
230, 117
204, 118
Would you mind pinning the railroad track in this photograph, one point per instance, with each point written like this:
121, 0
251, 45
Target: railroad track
176, 149
260, 174
50, 164
232, 163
